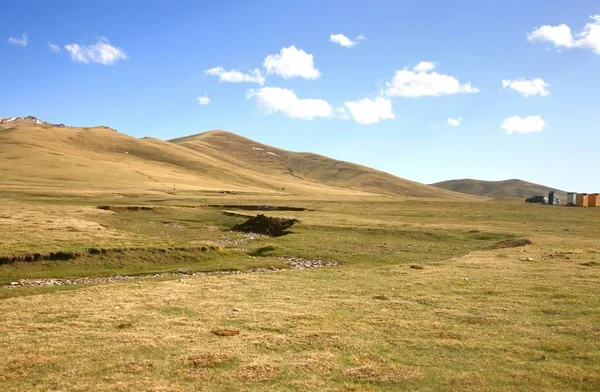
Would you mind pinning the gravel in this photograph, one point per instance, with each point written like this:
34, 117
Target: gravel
297, 263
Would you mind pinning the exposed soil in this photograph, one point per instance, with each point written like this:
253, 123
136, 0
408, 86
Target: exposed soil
258, 207
262, 224
512, 243
125, 208
226, 332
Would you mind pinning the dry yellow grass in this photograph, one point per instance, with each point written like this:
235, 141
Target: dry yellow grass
101, 158
490, 319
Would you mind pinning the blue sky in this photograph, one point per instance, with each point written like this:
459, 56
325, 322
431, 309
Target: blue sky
386, 99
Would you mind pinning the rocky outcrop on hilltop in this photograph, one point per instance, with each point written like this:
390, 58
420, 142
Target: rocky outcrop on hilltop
33, 119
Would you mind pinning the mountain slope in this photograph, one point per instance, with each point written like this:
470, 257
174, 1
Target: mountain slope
497, 189
305, 167
36, 153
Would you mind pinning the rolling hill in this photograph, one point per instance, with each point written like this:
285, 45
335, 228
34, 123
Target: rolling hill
35, 153
498, 189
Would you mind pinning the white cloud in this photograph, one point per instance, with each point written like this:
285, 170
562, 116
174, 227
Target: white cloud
562, 37
102, 52
425, 66
523, 125
276, 99
368, 111
233, 76
527, 87
342, 40
19, 41
203, 100
420, 82
53, 47
291, 62
454, 122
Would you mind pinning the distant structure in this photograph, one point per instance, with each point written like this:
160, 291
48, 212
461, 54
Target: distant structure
572, 199
581, 200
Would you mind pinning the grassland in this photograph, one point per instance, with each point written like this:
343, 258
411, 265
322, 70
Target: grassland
425, 299
498, 189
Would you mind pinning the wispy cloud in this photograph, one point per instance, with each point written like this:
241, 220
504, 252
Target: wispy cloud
234, 76
203, 100
53, 47
19, 41
102, 52
454, 122
342, 40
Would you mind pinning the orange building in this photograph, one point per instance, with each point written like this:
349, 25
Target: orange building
594, 200
582, 200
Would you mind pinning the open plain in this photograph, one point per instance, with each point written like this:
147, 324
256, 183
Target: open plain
431, 294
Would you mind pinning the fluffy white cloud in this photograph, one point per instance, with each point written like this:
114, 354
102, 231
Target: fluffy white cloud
19, 41
527, 87
342, 40
53, 47
368, 111
562, 37
454, 122
203, 100
276, 99
102, 52
425, 66
291, 62
421, 82
523, 125
233, 76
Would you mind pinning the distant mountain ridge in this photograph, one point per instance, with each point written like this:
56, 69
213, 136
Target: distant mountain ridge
498, 189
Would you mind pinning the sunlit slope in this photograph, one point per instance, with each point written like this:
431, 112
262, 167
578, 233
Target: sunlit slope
497, 189
304, 167
101, 158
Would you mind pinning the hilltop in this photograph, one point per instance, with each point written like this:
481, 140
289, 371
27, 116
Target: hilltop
498, 189
34, 152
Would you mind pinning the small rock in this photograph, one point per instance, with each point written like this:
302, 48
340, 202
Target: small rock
182, 271
125, 326
236, 310
415, 266
544, 358
15, 283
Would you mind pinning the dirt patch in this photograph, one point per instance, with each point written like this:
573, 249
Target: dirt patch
590, 264
262, 224
514, 243
125, 208
226, 332
208, 360
258, 207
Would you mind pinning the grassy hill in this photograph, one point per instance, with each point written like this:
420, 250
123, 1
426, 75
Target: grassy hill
35, 153
498, 189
